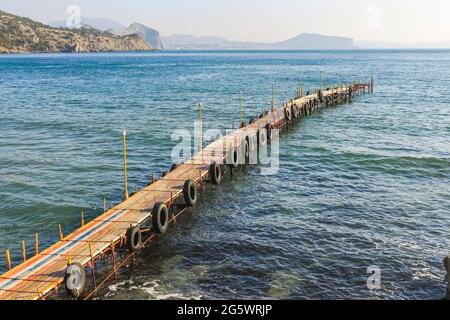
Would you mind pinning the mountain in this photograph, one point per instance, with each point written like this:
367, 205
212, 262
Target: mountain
305, 41
151, 36
20, 35
96, 23
313, 41
188, 42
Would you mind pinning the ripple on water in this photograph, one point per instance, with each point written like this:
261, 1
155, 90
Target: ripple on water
359, 185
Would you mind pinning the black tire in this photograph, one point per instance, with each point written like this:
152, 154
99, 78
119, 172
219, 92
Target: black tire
251, 121
251, 143
231, 158
160, 218
320, 94
234, 158
134, 238
269, 132
190, 193
174, 166
165, 173
288, 113
246, 149
75, 280
262, 137
215, 171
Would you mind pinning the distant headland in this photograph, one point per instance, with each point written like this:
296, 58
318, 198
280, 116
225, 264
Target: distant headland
23, 35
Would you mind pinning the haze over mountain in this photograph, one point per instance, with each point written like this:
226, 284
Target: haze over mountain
102, 24
312, 41
189, 42
305, 41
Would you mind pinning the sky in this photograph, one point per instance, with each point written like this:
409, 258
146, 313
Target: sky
262, 20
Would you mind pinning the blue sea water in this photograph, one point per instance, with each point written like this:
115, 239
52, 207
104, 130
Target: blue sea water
360, 185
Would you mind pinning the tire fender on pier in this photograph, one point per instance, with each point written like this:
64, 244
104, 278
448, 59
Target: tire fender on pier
269, 132
234, 158
190, 193
215, 171
75, 279
288, 113
160, 218
320, 95
247, 149
295, 111
262, 137
251, 142
134, 238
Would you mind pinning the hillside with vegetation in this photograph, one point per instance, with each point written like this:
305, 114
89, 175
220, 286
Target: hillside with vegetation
23, 35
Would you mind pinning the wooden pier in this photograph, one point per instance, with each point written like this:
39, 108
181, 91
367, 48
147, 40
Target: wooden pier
122, 231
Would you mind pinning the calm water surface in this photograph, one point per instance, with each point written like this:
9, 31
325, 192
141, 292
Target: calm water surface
359, 185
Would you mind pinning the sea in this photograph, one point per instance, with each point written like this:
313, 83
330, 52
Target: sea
359, 208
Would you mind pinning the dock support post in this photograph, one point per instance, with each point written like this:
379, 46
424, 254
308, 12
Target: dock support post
36, 246
104, 205
61, 235
113, 253
200, 110
24, 251
8, 259
273, 96
92, 266
125, 182
332, 95
241, 110
321, 78
82, 218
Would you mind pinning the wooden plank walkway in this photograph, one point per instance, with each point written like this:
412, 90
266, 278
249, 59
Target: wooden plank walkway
44, 273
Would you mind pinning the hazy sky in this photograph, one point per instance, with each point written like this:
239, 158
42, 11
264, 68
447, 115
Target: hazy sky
262, 20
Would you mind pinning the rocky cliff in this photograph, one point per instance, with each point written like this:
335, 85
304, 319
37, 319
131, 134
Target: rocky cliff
21, 35
148, 34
